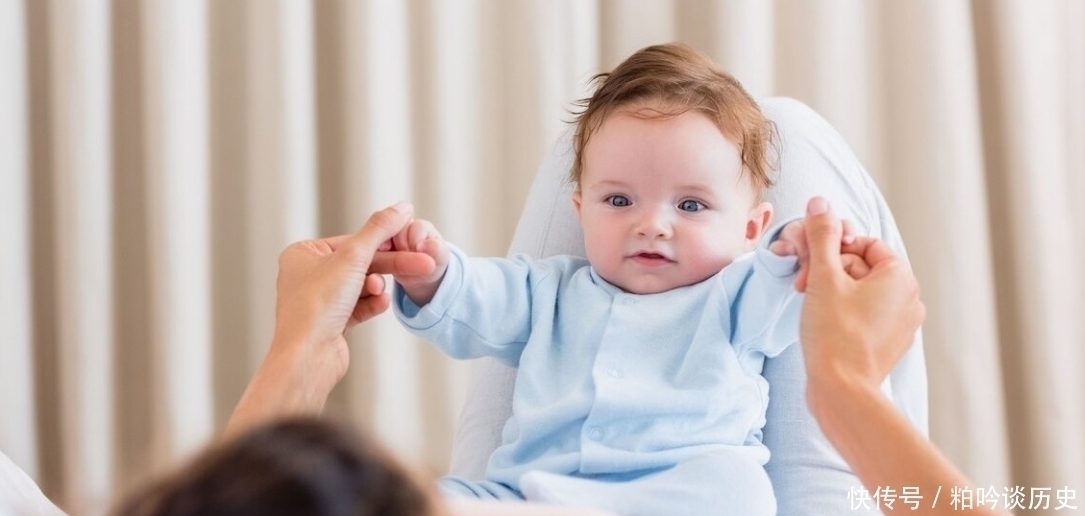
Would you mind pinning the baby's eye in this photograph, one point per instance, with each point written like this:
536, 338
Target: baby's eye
618, 200
691, 206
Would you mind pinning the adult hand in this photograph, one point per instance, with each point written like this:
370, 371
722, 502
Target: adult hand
329, 285
861, 308
854, 328
325, 287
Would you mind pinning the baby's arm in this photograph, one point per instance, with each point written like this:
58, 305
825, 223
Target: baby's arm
420, 236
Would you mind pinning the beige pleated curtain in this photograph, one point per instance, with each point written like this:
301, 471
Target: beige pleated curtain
155, 156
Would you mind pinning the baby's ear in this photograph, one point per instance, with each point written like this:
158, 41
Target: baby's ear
576, 201
759, 218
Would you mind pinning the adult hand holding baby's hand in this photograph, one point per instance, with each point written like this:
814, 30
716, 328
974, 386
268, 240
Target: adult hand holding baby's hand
854, 329
792, 241
325, 286
422, 237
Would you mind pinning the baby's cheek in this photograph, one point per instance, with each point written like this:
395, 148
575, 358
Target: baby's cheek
712, 263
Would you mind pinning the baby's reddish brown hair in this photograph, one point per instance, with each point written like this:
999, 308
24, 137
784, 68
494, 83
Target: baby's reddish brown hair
671, 79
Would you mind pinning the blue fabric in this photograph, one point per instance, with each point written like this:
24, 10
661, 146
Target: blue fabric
615, 387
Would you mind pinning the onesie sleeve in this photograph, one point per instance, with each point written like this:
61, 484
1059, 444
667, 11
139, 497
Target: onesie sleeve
482, 307
766, 307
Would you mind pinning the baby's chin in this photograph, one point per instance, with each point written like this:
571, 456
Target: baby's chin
648, 286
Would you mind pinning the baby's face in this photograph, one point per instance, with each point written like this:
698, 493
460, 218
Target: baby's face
663, 201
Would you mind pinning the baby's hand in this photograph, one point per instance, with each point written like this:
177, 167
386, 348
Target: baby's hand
420, 236
792, 242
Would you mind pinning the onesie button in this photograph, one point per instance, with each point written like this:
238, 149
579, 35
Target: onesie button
595, 433
614, 373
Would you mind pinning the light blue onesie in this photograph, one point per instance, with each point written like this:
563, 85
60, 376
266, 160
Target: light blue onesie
639, 404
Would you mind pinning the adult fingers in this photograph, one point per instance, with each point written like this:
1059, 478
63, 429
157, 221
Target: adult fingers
404, 263
381, 226
822, 239
855, 266
368, 308
802, 276
335, 242
374, 285
873, 251
878, 254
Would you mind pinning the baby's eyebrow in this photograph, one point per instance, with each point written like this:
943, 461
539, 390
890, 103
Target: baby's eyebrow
611, 182
699, 190
608, 183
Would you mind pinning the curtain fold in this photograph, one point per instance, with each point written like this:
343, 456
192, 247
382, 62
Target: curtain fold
934, 175
156, 155
1024, 62
80, 203
17, 429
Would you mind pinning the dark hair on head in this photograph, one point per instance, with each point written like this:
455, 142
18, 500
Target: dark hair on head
290, 467
671, 79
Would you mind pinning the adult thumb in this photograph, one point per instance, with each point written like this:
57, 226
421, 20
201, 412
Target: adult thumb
381, 226
823, 233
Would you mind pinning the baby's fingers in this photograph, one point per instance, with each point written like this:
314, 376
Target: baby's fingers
783, 248
791, 241
420, 231
436, 248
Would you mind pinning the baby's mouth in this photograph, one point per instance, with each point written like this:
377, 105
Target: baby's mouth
649, 258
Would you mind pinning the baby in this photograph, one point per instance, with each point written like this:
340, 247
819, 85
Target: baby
639, 386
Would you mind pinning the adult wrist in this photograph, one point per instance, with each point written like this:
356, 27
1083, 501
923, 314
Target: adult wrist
831, 390
304, 369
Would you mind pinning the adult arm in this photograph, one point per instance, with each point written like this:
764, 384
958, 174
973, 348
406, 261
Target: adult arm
324, 288
853, 332
808, 474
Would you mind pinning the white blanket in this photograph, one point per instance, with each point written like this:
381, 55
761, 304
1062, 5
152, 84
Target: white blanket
19, 495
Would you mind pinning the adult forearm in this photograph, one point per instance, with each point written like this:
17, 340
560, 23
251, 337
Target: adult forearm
284, 385
882, 447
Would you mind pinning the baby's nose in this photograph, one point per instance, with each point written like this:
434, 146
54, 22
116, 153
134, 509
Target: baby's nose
654, 225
